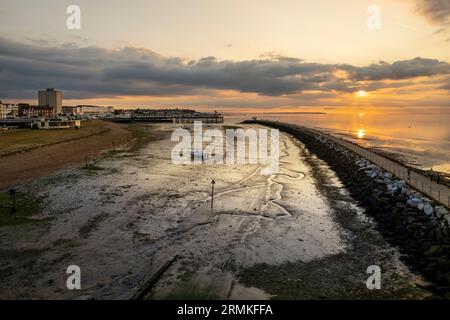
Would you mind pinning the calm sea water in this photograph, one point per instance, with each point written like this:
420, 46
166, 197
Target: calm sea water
422, 140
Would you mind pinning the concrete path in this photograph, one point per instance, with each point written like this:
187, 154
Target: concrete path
432, 189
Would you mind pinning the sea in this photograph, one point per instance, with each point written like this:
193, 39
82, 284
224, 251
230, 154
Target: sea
421, 140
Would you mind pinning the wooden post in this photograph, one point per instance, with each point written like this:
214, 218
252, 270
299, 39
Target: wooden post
12, 198
212, 194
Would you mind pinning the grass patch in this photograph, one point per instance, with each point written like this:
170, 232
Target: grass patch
143, 135
15, 259
28, 139
26, 207
340, 276
56, 179
94, 167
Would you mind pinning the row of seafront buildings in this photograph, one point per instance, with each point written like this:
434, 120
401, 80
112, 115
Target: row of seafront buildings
51, 114
50, 105
48, 114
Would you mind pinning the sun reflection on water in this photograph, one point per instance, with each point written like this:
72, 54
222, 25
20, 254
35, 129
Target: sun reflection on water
361, 133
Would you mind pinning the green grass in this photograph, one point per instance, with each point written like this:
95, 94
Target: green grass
17, 259
28, 139
26, 208
143, 135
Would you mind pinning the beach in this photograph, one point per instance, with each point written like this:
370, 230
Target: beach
30, 154
135, 223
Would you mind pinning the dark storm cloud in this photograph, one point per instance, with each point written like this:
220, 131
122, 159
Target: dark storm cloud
92, 72
437, 11
399, 70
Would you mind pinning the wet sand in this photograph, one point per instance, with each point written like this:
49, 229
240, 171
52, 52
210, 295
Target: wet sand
135, 212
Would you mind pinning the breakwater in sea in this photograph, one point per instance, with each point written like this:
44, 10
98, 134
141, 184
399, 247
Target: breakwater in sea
409, 220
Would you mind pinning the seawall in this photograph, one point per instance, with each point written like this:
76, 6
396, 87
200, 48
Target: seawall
417, 225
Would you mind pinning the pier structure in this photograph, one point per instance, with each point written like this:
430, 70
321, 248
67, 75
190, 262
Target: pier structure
175, 116
178, 119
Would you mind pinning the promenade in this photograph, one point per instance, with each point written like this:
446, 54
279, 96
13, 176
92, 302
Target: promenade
432, 189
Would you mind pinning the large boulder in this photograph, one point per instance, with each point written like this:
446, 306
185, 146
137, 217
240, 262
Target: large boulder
414, 202
393, 190
401, 184
428, 209
441, 212
406, 191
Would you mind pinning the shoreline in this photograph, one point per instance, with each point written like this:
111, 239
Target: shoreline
424, 242
42, 160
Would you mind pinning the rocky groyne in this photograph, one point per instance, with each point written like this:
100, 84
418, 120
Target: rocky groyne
417, 226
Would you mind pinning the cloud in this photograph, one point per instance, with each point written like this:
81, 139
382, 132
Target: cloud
436, 11
445, 84
399, 70
95, 72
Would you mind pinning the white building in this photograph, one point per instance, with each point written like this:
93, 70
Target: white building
88, 110
52, 124
7, 110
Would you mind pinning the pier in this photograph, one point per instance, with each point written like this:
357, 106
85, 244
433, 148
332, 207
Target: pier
170, 116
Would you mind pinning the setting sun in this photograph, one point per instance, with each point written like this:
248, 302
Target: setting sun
361, 93
361, 133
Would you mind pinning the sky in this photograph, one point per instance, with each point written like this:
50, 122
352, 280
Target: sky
255, 55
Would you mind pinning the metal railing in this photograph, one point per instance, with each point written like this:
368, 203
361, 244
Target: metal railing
434, 190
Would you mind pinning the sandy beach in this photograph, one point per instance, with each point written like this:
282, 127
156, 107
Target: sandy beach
296, 234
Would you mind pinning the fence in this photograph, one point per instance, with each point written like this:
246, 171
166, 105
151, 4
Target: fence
437, 192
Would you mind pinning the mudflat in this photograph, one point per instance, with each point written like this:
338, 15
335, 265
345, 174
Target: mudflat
135, 217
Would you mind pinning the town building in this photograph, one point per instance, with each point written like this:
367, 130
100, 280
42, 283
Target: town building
72, 110
94, 110
51, 98
58, 123
30, 111
8, 110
